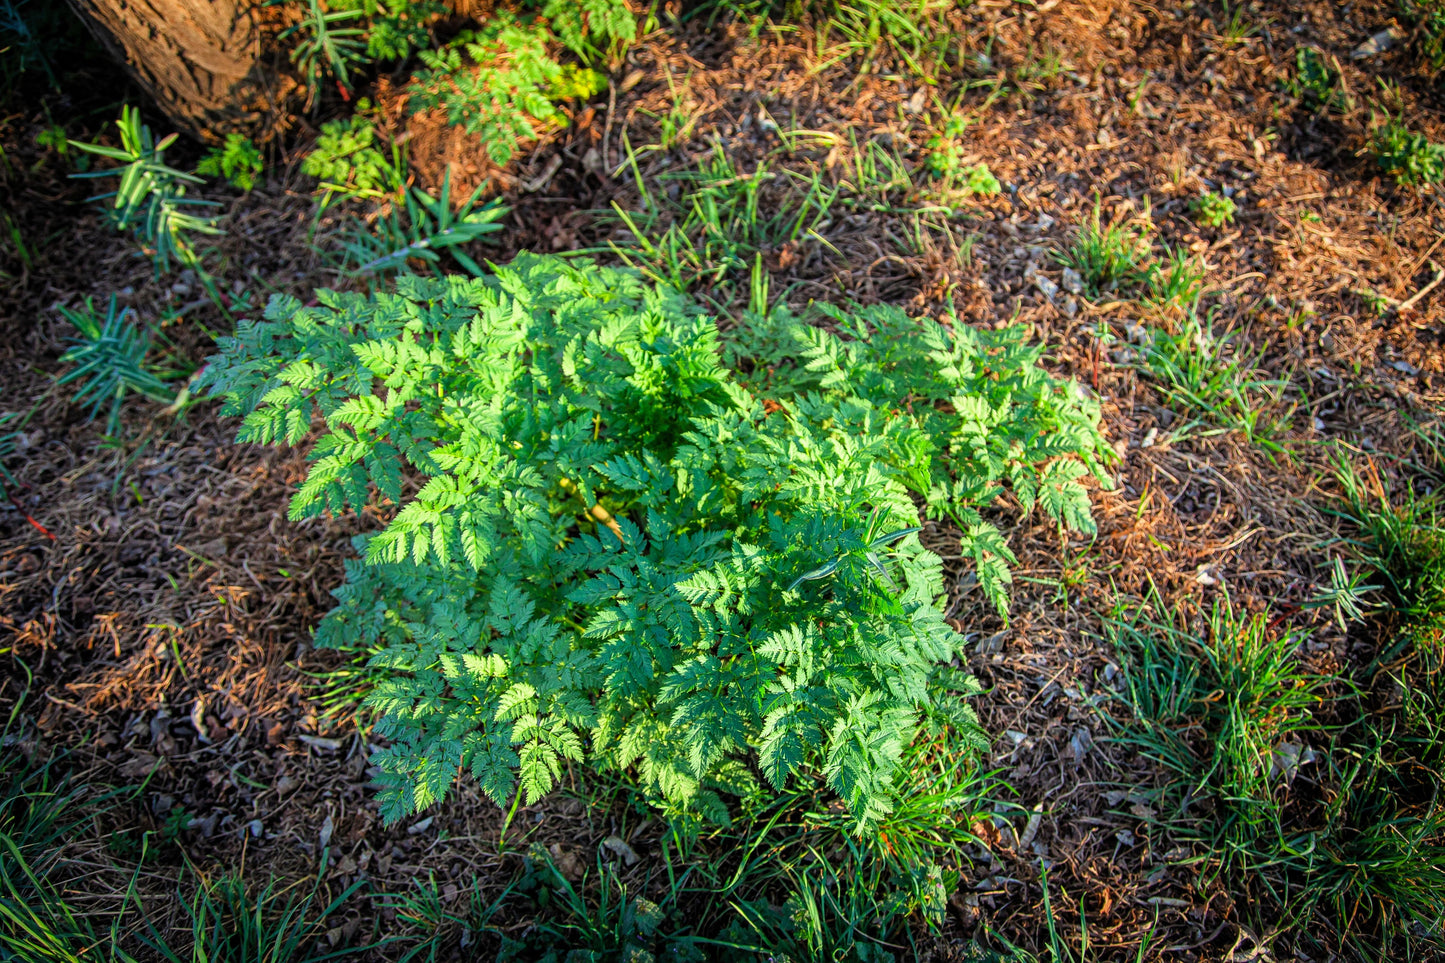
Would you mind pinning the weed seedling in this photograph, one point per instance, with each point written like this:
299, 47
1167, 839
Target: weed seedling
326, 43
1375, 303
419, 230
349, 162
980, 180
1409, 157
1213, 210
501, 83
238, 161
109, 355
1316, 82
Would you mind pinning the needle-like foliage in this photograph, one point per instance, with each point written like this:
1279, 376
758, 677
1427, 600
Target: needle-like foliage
420, 228
150, 199
109, 356
621, 552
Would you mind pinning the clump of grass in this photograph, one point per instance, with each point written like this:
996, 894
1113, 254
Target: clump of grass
1231, 713
919, 37
1213, 210
1109, 258
1376, 872
1202, 370
1380, 866
1316, 82
721, 221
1119, 260
878, 178
39, 811
1174, 281
1409, 157
230, 923
1400, 537
1339, 827
1226, 707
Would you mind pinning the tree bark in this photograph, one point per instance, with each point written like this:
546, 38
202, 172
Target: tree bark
201, 60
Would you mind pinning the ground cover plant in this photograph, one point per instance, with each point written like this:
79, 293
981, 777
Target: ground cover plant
150, 199
1408, 156
744, 595
1232, 709
827, 481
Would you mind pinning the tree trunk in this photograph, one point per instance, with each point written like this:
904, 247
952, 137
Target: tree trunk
201, 60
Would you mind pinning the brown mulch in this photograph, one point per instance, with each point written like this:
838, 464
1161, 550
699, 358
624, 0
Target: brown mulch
164, 604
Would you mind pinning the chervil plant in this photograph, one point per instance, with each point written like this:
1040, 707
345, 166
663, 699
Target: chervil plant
348, 161
238, 160
592, 29
398, 27
500, 83
624, 553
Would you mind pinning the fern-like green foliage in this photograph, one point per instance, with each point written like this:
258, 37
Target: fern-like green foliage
592, 29
502, 83
623, 552
967, 413
238, 160
500, 94
348, 161
397, 28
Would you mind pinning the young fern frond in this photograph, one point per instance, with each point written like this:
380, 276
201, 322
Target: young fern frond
501, 83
